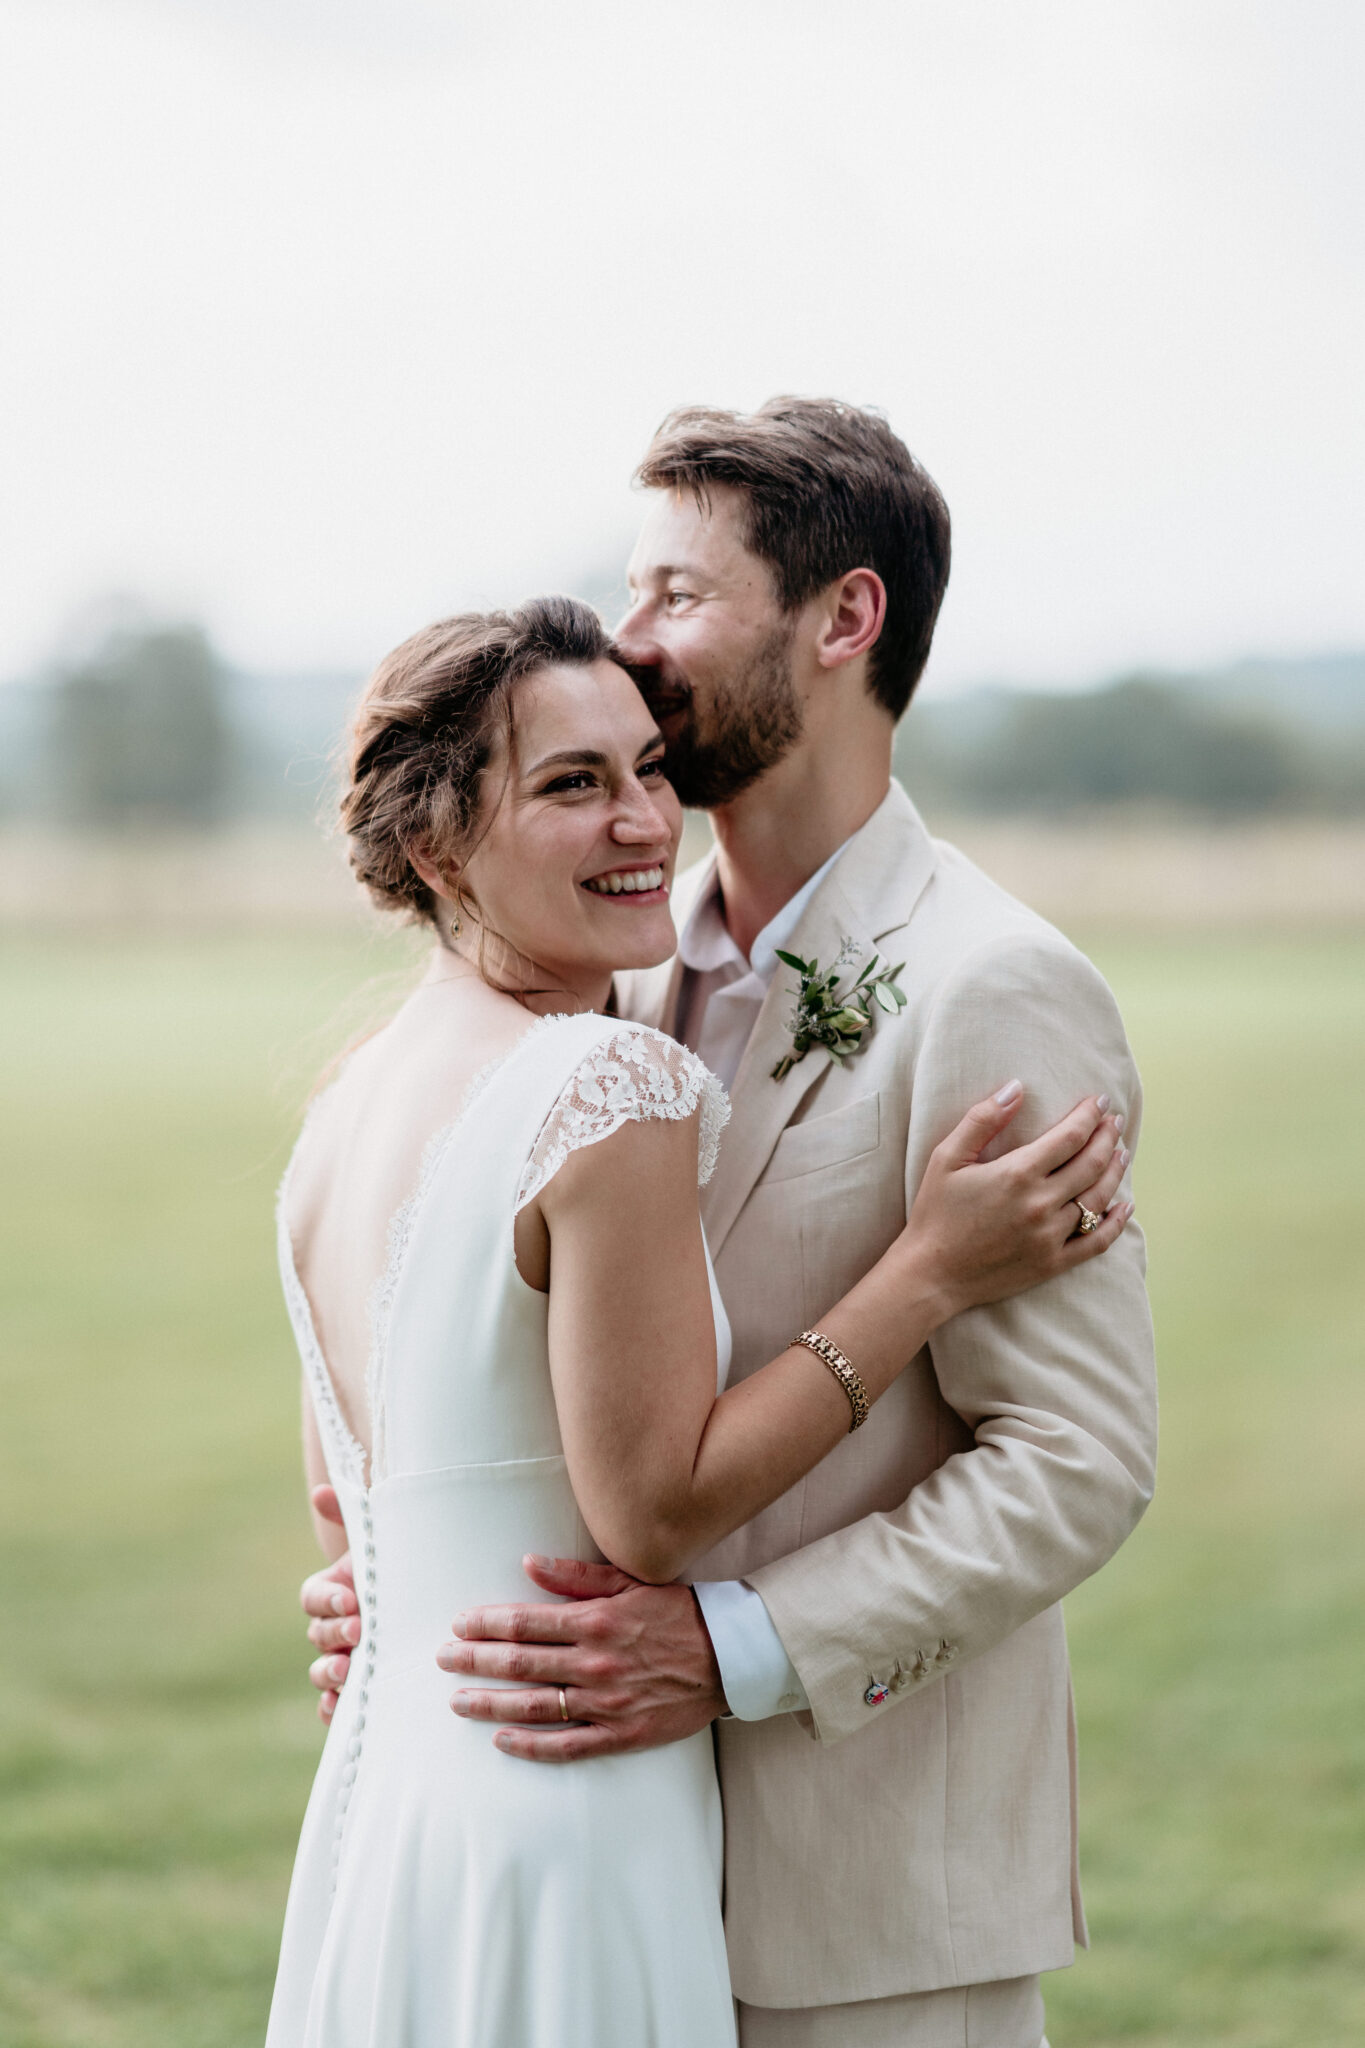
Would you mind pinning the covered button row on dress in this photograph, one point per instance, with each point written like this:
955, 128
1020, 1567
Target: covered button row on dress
354, 1745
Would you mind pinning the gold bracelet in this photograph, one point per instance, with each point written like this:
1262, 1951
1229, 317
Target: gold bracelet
830, 1355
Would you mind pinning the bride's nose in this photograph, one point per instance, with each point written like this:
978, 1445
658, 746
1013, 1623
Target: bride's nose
636, 822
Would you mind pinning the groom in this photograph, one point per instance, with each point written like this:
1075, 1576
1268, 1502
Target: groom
882, 1650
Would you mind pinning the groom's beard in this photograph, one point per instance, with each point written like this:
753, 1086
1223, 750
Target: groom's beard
751, 722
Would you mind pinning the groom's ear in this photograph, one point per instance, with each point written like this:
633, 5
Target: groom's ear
853, 612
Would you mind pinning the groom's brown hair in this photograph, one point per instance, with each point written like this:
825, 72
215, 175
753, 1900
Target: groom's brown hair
829, 488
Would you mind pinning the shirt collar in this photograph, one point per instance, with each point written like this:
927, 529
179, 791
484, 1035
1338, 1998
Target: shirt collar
705, 945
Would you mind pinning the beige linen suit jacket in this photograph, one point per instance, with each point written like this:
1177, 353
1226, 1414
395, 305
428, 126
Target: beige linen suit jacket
929, 1840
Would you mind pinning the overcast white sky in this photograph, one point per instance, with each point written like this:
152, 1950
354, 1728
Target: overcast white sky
322, 317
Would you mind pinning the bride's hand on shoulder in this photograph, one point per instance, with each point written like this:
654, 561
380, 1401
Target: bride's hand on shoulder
987, 1229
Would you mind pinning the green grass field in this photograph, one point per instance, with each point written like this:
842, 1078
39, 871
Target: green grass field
157, 1740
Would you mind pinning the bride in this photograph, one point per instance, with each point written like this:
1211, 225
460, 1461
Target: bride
512, 1341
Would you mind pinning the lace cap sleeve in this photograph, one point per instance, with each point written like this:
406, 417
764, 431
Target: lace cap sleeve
632, 1076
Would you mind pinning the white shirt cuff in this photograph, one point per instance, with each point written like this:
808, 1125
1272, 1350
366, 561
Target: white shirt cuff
758, 1676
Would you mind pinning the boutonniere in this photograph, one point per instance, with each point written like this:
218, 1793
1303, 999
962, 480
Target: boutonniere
838, 1019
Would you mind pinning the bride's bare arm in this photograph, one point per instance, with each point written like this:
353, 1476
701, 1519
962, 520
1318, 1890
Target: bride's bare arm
662, 1468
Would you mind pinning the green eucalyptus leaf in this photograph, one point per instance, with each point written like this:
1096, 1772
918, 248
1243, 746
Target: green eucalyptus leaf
838, 1021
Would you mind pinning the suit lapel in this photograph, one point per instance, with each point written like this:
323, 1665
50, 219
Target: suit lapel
869, 894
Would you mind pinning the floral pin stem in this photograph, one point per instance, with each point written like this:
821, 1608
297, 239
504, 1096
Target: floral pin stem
837, 1020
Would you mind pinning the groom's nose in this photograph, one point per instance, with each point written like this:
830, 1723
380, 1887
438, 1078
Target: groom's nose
634, 639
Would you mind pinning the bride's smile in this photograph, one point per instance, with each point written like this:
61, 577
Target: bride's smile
631, 882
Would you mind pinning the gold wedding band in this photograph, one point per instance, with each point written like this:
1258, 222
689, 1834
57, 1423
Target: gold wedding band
563, 1705
1089, 1220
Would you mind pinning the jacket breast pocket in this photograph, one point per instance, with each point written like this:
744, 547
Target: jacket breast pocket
824, 1141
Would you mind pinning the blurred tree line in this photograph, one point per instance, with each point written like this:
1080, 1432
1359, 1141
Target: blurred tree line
1144, 743
141, 732
148, 727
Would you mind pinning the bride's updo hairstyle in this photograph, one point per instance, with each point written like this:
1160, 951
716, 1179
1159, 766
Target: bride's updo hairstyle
424, 733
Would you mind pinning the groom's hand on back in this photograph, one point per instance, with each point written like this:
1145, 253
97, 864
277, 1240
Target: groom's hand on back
329, 1598
635, 1663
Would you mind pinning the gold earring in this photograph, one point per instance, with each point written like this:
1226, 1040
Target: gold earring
455, 927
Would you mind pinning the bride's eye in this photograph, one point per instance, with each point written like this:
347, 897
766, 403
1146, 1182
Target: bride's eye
653, 768
578, 779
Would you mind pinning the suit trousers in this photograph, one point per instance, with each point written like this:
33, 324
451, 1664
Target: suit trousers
1008, 2014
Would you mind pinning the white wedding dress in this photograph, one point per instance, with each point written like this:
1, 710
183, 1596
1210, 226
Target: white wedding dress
446, 1895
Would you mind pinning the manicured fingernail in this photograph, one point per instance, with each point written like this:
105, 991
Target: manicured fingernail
339, 1602
534, 1557
1102, 1104
458, 1625
1118, 1121
503, 1742
350, 1630
459, 1703
1124, 1156
1008, 1093
1128, 1209
338, 1668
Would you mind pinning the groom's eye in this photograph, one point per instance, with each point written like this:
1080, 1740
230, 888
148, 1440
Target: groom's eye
677, 597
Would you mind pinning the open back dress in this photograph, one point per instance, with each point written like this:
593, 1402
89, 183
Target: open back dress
446, 1895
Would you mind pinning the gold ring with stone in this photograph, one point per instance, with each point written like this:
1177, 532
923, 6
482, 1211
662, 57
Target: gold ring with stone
1090, 1220
563, 1705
